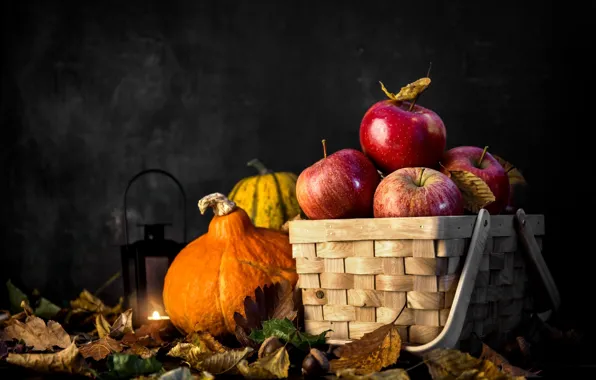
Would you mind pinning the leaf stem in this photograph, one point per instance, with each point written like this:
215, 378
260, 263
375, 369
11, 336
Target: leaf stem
324, 142
482, 156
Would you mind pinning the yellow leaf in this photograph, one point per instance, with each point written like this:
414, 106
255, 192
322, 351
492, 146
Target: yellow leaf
373, 352
68, 360
272, 366
188, 352
102, 326
206, 360
206, 342
515, 176
142, 351
475, 192
34, 332
394, 374
502, 363
408, 92
452, 364
87, 302
100, 349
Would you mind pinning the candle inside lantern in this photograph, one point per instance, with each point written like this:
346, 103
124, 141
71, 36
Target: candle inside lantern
157, 317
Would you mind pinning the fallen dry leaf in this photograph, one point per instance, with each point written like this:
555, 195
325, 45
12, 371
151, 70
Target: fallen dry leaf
35, 333
102, 325
475, 192
206, 342
515, 176
410, 91
502, 363
68, 361
122, 325
214, 363
394, 374
87, 302
277, 301
272, 366
452, 364
101, 348
371, 353
142, 351
286, 226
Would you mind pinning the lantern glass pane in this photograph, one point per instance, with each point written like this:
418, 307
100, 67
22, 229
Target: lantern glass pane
156, 269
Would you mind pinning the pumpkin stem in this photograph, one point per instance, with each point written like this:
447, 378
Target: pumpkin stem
220, 203
255, 163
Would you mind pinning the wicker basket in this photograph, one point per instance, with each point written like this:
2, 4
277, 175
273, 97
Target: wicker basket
461, 274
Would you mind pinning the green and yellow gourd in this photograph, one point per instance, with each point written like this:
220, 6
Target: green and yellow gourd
269, 198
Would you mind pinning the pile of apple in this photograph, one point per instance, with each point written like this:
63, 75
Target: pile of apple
403, 169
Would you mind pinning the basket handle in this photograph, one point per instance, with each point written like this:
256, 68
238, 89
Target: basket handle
526, 235
451, 332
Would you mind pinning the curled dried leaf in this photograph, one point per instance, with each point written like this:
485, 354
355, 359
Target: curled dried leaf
502, 363
100, 349
273, 366
373, 352
203, 359
88, 303
475, 192
394, 374
35, 333
68, 361
410, 91
122, 325
454, 364
206, 342
102, 326
515, 176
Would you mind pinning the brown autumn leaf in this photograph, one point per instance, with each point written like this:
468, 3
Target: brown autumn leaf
102, 325
142, 351
35, 333
273, 366
88, 303
68, 361
148, 334
515, 176
214, 363
100, 349
371, 353
277, 301
122, 325
205, 341
410, 91
475, 192
452, 364
502, 363
394, 374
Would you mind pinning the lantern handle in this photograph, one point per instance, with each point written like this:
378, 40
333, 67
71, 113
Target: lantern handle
160, 171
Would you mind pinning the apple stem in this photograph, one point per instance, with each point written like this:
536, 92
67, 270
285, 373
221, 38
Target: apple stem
324, 148
420, 179
482, 156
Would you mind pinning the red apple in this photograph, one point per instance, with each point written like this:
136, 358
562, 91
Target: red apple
395, 137
341, 185
417, 192
482, 164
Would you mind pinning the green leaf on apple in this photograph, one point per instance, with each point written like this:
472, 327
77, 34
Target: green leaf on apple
408, 92
475, 192
515, 176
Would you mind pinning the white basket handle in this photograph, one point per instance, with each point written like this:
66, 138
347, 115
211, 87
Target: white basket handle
451, 332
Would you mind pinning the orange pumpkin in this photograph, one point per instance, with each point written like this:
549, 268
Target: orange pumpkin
209, 279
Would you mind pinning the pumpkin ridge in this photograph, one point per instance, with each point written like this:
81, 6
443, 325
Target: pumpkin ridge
280, 196
218, 295
273, 269
255, 198
235, 190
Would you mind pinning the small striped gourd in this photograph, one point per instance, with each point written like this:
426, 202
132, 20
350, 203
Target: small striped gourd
269, 198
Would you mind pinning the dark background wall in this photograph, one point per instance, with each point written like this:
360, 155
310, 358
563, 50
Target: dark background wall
93, 93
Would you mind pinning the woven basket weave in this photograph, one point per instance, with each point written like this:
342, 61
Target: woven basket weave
357, 274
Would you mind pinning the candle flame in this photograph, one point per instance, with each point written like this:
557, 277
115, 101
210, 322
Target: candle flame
156, 315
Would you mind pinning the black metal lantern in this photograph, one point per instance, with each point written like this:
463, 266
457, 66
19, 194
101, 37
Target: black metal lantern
145, 262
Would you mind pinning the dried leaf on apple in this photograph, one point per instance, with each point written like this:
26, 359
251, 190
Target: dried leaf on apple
475, 192
408, 92
515, 176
